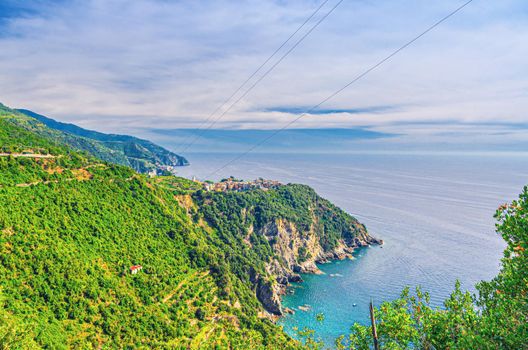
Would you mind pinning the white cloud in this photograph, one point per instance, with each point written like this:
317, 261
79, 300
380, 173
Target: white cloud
110, 65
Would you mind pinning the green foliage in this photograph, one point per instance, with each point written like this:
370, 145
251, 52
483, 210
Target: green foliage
308, 339
504, 300
70, 244
299, 204
71, 226
15, 139
304, 254
179, 185
14, 334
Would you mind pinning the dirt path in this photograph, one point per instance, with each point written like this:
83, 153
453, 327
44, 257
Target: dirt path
28, 155
180, 285
84, 177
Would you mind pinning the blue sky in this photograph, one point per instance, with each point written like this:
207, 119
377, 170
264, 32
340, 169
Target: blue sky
134, 66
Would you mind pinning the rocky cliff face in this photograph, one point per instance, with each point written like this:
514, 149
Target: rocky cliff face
282, 233
299, 252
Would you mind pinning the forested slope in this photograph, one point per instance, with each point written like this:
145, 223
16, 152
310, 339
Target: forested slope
66, 248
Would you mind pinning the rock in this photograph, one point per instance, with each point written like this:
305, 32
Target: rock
287, 310
282, 280
294, 277
298, 252
310, 267
269, 297
304, 307
349, 250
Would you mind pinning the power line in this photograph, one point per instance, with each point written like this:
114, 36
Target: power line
394, 53
267, 72
255, 72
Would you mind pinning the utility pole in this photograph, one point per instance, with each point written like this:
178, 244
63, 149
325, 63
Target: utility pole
373, 322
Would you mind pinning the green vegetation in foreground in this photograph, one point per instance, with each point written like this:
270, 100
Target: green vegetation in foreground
141, 155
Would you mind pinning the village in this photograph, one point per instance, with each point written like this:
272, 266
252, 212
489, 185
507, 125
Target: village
234, 185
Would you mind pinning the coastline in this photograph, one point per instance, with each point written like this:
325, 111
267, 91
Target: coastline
273, 300
302, 301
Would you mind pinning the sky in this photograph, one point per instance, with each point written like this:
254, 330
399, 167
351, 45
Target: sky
142, 67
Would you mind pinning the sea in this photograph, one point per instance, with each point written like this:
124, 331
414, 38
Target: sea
433, 211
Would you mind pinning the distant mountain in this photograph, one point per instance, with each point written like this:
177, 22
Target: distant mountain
141, 155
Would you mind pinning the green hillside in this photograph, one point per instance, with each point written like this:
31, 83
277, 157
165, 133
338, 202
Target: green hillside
71, 226
141, 155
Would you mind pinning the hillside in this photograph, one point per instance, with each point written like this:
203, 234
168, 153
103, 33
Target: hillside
141, 155
213, 264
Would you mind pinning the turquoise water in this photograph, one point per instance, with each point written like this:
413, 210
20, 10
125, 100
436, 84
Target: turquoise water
324, 294
435, 214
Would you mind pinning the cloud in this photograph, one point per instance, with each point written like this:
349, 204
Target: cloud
298, 140
116, 65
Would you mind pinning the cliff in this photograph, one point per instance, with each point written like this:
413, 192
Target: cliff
297, 226
299, 252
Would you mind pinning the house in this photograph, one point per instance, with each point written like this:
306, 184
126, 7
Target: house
135, 269
234, 185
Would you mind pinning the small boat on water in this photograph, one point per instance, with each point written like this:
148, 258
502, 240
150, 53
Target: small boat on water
354, 305
304, 307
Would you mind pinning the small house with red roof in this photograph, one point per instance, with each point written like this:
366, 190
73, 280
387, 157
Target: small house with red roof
135, 269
